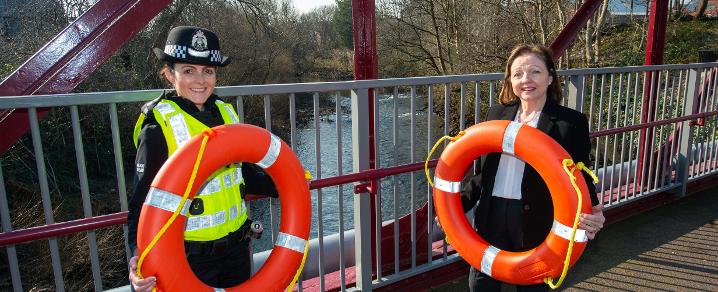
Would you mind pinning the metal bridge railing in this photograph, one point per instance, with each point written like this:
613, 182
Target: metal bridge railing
327, 125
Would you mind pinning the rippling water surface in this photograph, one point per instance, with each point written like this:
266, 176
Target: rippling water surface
329, 147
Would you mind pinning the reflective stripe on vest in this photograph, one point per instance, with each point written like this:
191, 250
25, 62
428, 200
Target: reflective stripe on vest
219, 208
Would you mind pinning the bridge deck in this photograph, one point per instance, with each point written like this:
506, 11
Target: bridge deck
671, 248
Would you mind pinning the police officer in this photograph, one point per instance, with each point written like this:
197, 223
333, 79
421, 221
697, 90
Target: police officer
217, 229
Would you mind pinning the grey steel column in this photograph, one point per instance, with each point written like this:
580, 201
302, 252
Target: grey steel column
686, 136
340, 189
395, 152
45, 194
318, 175
85, 193
7, 227
120, 172
576, 92
362, 206
273, 202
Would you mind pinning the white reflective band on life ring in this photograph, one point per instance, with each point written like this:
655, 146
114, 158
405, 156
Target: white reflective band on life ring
565, 232
291, 242
487, 261
166, 201
218, 289
272, 153
507, 144
447, 186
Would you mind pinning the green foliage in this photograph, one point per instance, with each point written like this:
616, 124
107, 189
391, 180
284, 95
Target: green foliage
343, 23
6, 69
684, 38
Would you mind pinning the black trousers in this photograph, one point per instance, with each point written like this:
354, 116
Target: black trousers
220, 265
223, 269
503, 230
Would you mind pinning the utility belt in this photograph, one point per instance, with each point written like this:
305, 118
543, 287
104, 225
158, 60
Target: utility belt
219, 246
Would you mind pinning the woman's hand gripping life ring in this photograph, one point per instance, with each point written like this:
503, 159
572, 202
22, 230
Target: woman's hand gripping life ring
543, 154
227, 144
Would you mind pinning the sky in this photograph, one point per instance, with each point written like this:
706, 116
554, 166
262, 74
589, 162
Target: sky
304, 6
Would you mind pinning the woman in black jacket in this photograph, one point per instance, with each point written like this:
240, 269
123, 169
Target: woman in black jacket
514, 204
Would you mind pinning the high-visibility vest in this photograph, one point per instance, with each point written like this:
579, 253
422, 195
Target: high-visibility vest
218, 208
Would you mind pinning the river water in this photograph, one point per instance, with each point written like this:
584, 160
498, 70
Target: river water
305, 149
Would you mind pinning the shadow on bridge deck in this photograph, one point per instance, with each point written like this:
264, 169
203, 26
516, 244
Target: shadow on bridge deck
671, 248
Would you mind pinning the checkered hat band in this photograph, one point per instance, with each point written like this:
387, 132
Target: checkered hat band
215, 56
176, 51
180, 52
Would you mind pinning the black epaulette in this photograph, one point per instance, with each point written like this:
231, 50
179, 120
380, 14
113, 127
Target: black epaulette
150, 105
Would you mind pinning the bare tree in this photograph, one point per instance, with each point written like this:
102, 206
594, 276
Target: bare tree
701, 9
592, 35
461, 36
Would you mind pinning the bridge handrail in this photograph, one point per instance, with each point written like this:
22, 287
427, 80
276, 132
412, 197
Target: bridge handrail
69, 99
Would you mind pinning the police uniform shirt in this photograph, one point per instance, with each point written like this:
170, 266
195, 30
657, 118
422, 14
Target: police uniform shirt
152, 153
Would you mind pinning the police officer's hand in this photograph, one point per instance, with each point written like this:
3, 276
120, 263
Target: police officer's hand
140, 284
592, 223
438, 224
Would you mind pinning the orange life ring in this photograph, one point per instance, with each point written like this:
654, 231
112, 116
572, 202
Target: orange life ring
543, 154
230, 143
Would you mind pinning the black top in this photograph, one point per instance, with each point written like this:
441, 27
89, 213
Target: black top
570, 129
152, 153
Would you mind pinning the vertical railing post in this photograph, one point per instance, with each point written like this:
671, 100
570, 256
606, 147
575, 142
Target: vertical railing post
576, 91
85, 193
13, 265
120, 172
45, 195
362, 201
685, 142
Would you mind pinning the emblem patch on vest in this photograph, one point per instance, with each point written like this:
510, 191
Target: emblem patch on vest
197, 207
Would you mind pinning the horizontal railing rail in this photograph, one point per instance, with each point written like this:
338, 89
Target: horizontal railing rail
619, 130
68, 99
64, 228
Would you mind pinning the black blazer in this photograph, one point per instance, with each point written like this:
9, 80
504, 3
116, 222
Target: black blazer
570, 129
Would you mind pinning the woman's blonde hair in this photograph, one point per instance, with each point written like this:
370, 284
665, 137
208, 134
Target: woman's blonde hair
507, 95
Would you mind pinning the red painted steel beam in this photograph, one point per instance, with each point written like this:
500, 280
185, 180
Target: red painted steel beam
60, 229
369, 175
654, 56
630, 128
573, 27
656, 32
366, 67
71, 56
364, 31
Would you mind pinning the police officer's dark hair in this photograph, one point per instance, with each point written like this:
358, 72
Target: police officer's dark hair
166, 68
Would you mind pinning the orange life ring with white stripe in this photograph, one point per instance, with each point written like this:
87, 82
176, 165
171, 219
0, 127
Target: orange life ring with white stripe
543, 154
228, 144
